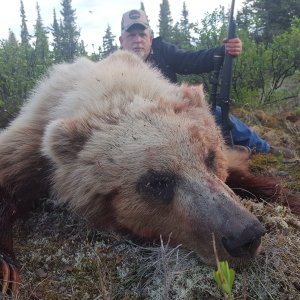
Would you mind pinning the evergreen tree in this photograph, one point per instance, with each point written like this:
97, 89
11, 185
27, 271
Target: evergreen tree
8, 55
26, 49
144, 10
24, 31
165, 21
96, 56
69, 31
268, 18
56, 31
12, 41
184, 21
181, 32
109, 44
9, 51
81, 49
15, 77
41, 49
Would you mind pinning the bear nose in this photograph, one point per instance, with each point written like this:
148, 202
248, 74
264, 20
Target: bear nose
246, 243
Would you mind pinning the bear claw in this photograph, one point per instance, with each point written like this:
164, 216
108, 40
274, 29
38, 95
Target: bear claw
10, 275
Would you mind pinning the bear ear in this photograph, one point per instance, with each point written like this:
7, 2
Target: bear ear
194, 94
64, 139
190, 96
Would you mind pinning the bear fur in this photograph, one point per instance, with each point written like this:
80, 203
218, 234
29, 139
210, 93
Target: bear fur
127, 150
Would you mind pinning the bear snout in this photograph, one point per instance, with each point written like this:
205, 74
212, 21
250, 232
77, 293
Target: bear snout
245, 245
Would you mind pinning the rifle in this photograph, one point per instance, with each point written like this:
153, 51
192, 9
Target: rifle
225, 86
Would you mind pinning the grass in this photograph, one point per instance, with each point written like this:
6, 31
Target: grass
69, 261
224, 275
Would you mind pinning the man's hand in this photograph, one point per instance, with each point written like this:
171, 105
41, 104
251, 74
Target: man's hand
233, 46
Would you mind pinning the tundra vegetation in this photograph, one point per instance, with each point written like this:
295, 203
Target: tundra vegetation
61, 258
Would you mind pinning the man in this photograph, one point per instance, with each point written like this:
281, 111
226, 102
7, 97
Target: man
136, 36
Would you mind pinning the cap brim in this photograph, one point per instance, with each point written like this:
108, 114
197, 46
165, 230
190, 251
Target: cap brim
137, 25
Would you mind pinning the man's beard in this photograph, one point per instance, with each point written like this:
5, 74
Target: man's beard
141, 53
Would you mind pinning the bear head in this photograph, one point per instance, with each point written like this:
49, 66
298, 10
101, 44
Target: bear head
153, 169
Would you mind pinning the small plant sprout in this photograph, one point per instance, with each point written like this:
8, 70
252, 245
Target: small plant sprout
224, 276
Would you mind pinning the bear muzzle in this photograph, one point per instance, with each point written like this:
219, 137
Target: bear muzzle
247, 244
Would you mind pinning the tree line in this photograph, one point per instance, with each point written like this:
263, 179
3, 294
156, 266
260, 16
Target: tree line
270, 31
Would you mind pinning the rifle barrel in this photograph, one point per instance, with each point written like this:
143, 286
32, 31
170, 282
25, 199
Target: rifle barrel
226, 81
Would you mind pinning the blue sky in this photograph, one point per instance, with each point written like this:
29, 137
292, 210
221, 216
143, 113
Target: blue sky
93, 16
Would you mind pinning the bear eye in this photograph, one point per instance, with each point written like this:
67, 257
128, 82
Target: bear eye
210, 160
154, 185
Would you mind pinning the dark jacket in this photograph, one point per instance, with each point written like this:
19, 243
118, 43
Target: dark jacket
171, 61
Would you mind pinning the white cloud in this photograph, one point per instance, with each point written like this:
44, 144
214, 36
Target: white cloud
94, 15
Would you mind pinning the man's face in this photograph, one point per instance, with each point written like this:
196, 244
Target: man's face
137, 40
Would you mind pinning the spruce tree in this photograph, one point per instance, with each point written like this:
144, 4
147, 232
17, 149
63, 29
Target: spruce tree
165, 21
57, 39
181, 31
9, 53
144, 10
109, 44
41, 49
26, 50
69, 31
96, 56
15, 77
25, 37
81, 49
184, 23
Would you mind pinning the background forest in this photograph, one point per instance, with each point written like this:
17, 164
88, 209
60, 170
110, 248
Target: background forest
270, 31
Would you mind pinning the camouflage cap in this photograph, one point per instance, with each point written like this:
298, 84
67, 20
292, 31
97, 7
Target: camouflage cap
133, 17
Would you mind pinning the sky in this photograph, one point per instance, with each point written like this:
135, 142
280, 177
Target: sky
93, 16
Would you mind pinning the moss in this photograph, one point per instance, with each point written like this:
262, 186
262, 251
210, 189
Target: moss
80, 264
262, 163
293, 181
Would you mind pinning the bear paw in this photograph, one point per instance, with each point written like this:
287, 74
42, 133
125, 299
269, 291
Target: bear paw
10, 275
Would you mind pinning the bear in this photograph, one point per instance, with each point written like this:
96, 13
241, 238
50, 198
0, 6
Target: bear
127, 150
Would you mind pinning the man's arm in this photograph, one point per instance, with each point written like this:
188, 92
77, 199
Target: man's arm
194, 62
189, 62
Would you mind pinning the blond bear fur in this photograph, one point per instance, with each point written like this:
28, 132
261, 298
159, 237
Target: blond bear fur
127, 150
